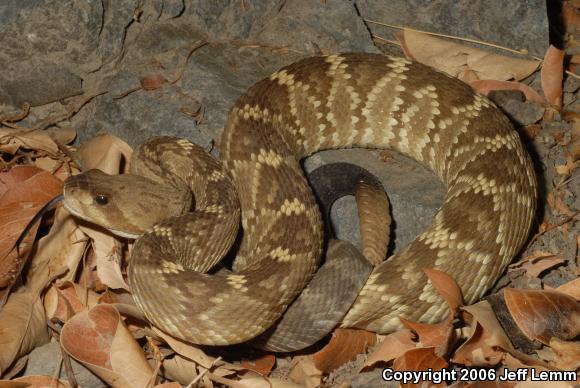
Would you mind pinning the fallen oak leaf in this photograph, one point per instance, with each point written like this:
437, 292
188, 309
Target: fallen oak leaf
419, 359
64, 300
542, 314
446, 287
456, 59
25, 190
194, 353
438, 335
39, 382
344, 346
567, 354
262, 365
99, 340
393, 346
488, 342
571, 288
304, 372
537, 262
11, 140
105, 152
552, 75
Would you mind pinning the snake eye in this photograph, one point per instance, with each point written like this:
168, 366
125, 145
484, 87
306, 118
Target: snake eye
101, 199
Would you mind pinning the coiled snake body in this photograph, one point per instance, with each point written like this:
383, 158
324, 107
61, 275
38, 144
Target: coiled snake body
336, 101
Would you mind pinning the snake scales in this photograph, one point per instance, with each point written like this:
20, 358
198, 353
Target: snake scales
336, 101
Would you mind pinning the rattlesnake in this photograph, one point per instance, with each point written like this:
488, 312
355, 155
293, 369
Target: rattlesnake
335, 101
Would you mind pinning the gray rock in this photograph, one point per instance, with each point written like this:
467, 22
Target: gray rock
37, 82
491, 21
217, 73
513, 104
45, 360
9, 10
414, 192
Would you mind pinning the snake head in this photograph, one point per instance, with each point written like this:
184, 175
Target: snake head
127, 205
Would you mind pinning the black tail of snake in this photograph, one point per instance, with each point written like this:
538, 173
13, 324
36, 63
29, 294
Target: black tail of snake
336, 101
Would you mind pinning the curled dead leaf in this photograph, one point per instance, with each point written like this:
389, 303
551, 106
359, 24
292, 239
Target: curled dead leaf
419, 359
456, 59
393, 346
542, 315
99, 340
567, 354
552, 74
344, 346
487, 342
262, 365
304, 372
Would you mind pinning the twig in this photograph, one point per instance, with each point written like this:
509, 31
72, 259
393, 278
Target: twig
554, 226
73, 108
393, 42
194, 47
519, 52
200, 376
6, 119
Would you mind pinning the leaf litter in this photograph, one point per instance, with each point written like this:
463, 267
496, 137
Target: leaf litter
58, 301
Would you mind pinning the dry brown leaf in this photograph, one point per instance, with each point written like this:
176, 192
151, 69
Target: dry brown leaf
537, 262
438, 335
419, 359
553, 75
487, 342
541, 315
62, 135
41, 382
13, 139
456, 59
23, 320
22, 326
262, 382
514, 363
99, 340
570, 17
532, 130
393, 346
64, 300
489, 384
153, 81
24, 191
262, 365
304, 372
169, 385
557, 201
182, 370
344, 346
108, 251
446, 287
105, 152
194, 353
571, 288
567, 354
574, 145
487, 85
